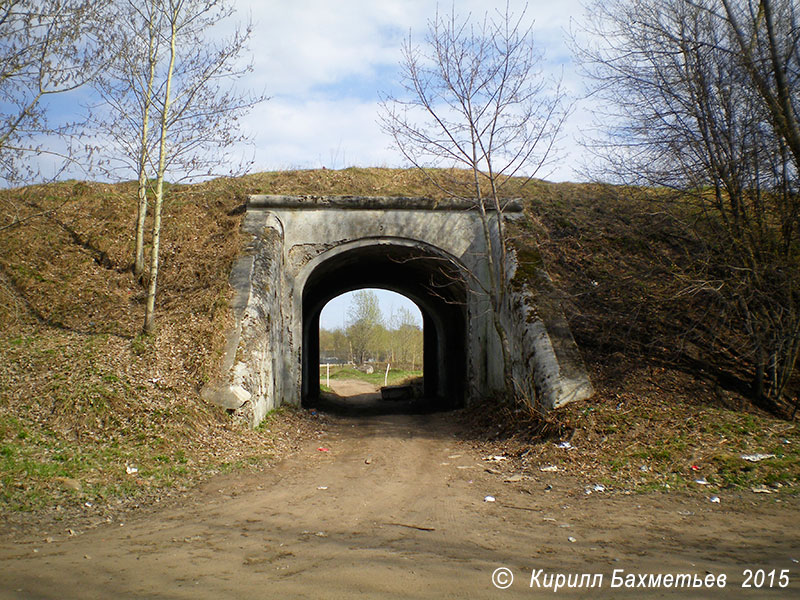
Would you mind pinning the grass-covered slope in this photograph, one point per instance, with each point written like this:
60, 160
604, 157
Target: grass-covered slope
672, 401
84, 398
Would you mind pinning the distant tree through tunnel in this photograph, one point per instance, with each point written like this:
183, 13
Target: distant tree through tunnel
371, 325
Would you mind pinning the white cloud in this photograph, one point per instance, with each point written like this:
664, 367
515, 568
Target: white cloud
325, 62
302, 44
316, 133
341, 133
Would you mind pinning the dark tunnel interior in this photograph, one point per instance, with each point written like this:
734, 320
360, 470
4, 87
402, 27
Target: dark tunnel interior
432, 281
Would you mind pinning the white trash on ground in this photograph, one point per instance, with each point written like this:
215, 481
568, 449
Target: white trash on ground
756, 457
496, 458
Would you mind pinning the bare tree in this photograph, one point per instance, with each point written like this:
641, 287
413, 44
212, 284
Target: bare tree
406, 337
701, 96
474, 97
202, 114
766, 37
47, 47
364, 314
127, 89
172, 73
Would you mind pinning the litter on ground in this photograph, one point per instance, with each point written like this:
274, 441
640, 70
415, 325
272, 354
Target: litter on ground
756, 457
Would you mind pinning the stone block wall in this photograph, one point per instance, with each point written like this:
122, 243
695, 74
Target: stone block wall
250, 382
547, 367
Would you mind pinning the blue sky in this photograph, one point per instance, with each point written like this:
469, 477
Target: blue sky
324, 64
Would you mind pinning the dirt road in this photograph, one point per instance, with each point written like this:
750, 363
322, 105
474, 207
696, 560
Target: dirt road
393, 506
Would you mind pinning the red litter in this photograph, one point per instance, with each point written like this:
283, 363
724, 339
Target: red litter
695, 468
324, 449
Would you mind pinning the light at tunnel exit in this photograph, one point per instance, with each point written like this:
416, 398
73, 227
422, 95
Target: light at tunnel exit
334, 315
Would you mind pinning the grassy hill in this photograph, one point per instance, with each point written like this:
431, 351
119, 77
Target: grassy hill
84, 399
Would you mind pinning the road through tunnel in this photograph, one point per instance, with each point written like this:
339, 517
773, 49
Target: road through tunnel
432, 280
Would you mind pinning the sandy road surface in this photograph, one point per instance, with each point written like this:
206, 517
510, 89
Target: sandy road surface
395, 509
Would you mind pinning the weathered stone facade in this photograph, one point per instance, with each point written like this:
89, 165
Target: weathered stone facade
306, 250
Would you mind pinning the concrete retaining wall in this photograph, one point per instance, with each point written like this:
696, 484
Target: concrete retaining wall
251, 381
296, 238
547, 367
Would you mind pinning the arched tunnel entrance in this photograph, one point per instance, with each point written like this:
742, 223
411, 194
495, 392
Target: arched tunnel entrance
429, 278
305, 250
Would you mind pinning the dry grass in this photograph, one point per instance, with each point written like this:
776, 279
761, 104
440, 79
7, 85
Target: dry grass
83, 395
671, 382
660, 430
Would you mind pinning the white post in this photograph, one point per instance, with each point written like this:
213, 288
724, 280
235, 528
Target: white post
328, 374
386, 377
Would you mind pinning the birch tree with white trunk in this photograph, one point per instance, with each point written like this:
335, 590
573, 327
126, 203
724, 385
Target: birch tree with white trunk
171, 108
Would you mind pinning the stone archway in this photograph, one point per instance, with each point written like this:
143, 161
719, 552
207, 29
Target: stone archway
305, 250
435, 282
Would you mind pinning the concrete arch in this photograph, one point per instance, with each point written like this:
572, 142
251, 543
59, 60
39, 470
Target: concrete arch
305, 250
434, 280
